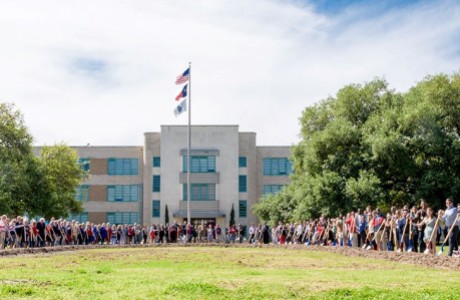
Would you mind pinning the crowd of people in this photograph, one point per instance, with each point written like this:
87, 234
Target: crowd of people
415, 229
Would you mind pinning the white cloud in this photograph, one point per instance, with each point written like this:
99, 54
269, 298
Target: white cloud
103, 71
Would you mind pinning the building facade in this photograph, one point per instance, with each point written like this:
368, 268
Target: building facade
135, 184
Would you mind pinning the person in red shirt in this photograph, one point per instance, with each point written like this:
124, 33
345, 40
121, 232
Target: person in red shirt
351, 222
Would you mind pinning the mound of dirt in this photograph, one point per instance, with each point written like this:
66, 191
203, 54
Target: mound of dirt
430, 261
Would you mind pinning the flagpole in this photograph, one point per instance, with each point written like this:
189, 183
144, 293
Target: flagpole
189, 147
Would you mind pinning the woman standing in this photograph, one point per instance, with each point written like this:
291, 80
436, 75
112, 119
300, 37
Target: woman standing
428, 237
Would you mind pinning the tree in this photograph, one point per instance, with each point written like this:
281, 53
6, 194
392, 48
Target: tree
232, 216
18, 167
43, 185
63, 174
166, 214
370, 145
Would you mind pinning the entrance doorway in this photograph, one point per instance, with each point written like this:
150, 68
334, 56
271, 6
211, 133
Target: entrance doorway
198, 221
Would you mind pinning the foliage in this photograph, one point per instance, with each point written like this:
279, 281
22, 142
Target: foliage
370, 145
18, 167
232, 216
63, 175
35, 185
166, 214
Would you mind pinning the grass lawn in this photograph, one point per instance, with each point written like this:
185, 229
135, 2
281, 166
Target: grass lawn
218, 273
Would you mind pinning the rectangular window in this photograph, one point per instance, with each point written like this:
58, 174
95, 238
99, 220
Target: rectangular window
156, 183
200, 192
123, 193
277, 166
242, 183
242, 162
200, 164
272, 188
155, 208
123, 166
156, 161
83, 193
243, 208
122, 217
84, 163
80, 218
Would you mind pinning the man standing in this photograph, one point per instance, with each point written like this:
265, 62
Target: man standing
41, 227
450, 217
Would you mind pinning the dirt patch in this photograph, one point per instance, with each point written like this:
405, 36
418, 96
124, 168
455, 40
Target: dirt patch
429, 261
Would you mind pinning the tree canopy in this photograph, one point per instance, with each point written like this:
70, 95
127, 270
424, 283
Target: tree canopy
371, 145
44, 185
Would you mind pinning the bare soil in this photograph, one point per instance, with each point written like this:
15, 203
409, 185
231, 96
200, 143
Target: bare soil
429, 261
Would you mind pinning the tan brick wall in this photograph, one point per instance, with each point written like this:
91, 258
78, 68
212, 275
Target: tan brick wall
98, 193
98, 166
97, 217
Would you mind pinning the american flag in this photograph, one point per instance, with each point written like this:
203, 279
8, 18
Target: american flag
184, 77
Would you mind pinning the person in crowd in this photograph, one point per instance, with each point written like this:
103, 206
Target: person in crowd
429, 233
419, 217
210, 231
218, 233
450, 218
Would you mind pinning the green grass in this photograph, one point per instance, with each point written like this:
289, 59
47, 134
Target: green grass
217, 273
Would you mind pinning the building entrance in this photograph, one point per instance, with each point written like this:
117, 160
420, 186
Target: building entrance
199, 221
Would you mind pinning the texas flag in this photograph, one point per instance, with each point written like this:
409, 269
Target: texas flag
182, 94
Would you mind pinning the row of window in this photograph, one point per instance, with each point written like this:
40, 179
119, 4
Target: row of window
272, 188
199, 191
118, 193
242, 162
278, 166
123, 166
124, 193
111, 217
133, 217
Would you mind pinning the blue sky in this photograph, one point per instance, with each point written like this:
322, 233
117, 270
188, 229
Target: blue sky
337, 6
102, 72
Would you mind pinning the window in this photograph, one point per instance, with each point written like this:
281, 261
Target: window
277, 166
243, 208
156, 183
83, 193
200, 192
272, 188
156, 161
155, 208
84, 163
123, 166
123, 193
122, 217
200, 164
80, 218
242, 183
242, 162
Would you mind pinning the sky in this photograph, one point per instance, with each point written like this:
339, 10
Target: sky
103, 72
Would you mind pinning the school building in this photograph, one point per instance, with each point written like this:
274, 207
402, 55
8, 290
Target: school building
135, 184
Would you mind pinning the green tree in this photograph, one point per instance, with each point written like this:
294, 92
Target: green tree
63, 174
42, 185
19, 169
166, 214
370, 145
232, 215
